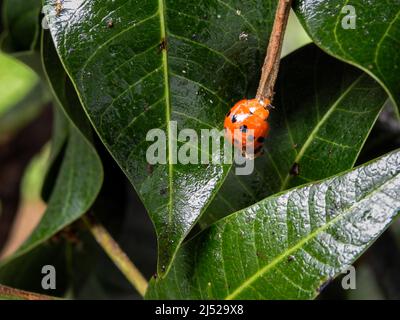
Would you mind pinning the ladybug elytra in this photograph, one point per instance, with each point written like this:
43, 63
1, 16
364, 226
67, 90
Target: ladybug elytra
249, 118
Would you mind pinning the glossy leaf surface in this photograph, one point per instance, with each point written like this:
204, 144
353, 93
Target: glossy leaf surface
324, 112
365, 34
288, 245
139, 64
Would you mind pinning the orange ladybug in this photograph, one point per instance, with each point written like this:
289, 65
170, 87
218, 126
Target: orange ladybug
249, 119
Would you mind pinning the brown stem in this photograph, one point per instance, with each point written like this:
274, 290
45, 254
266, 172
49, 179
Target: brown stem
12, 293
115, 253
271, 63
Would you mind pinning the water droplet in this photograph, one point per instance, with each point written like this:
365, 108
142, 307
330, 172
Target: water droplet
243, 36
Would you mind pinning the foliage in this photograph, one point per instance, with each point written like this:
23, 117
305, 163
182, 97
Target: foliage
117, 69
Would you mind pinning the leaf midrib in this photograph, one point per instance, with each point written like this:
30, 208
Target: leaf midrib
302, 242
161, 12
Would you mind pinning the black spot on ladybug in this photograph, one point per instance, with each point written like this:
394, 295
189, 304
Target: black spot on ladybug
163, 45
295, 169
234, 118
250, 138
243, 128
228, 113
260, 139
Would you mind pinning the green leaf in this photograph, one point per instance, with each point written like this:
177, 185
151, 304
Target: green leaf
324, 112
288, 245
139, 64
21, 93
63, 90
79, 179
76, 188
25, 271
373, 45
21, 25
57, 151
65, 110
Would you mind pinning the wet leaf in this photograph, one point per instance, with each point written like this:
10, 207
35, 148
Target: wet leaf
288, 245
324, 112
372, 45
139, 64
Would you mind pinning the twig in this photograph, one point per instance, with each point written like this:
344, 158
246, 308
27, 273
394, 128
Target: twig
115, 253
271, 63
12, 293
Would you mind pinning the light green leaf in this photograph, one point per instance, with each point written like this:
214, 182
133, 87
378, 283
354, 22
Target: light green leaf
21, 93
21, 25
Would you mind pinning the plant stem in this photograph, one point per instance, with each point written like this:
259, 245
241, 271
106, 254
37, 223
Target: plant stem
115, 253
8, 292
271, 63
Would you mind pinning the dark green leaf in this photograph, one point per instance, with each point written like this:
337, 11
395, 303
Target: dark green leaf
21, 25
25, 272
78, 182
138, 64
72, 195
288, 245
65, 108
58, 141
63, 90
373, 45
79, 179
325, 110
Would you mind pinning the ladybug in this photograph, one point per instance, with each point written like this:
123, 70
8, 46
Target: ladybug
248, 118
